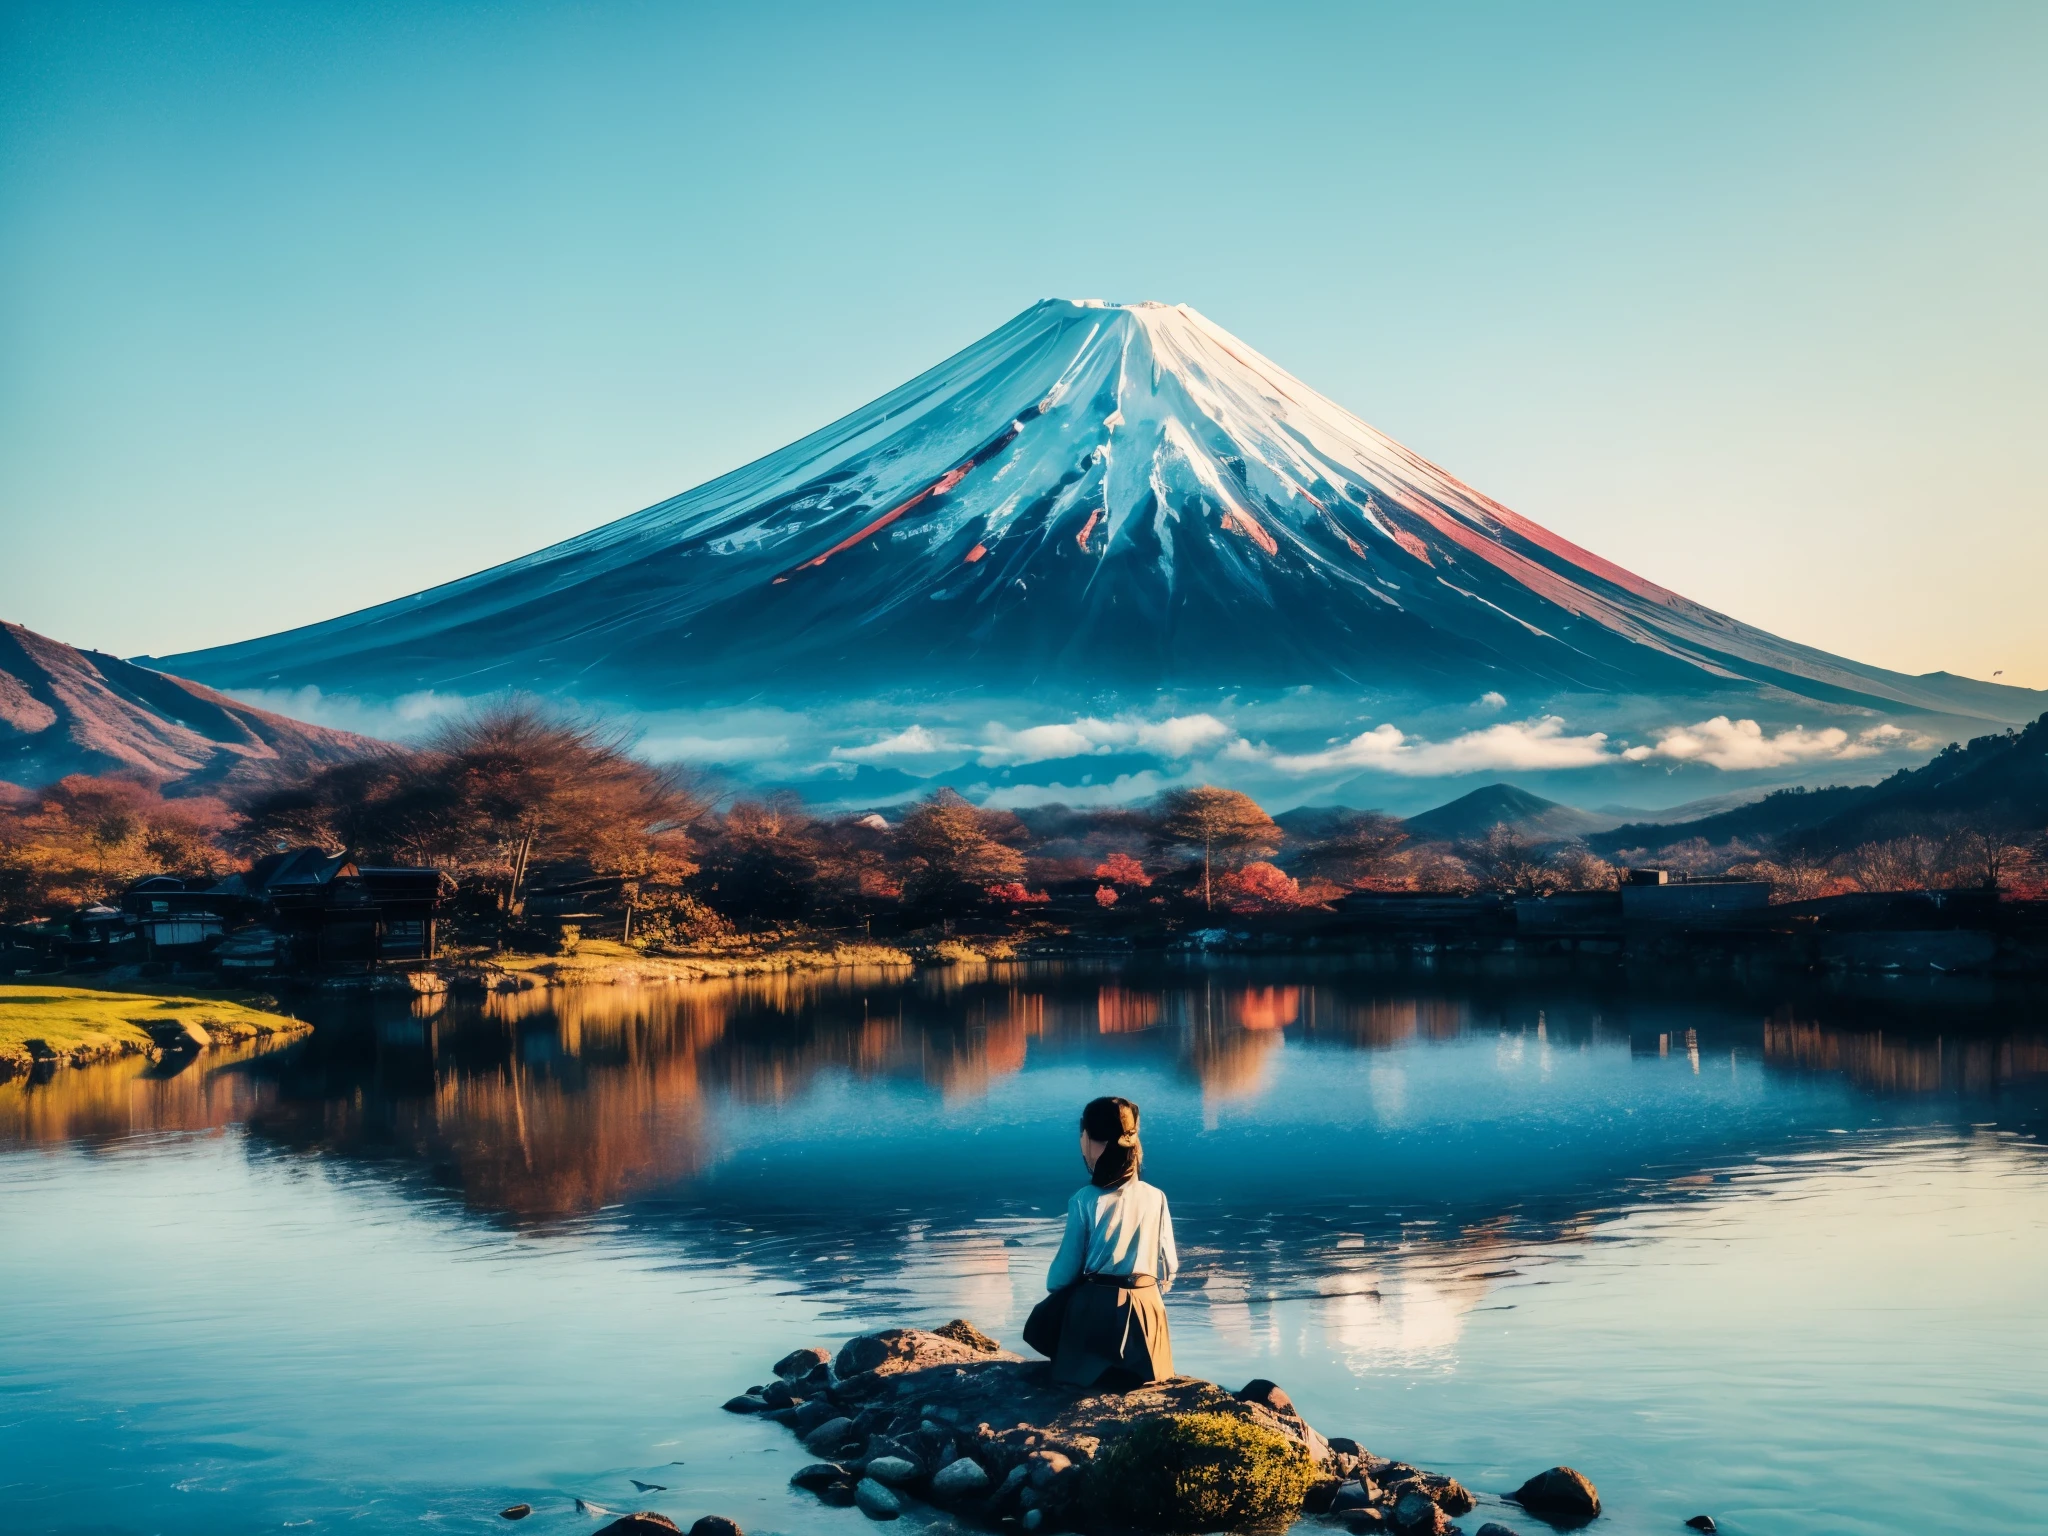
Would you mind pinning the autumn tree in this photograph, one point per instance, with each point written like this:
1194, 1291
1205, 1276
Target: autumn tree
528, 787
83, 839
1505, 860
955, 852
1362, 847
1223, 823
764, 859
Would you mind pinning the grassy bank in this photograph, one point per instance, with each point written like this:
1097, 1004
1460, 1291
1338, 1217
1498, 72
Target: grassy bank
599, 961
72, 1026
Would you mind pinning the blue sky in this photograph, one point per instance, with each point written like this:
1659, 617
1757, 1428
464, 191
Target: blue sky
305, 307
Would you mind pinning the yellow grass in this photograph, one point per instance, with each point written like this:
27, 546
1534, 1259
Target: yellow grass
605, 960
75, 1025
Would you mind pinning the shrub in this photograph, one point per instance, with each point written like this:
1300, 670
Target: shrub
567, 940
1201, 1472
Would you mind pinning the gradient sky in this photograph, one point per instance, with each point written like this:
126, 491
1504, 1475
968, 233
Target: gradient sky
306, 307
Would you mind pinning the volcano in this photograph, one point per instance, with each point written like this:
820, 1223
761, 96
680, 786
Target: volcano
1012, 567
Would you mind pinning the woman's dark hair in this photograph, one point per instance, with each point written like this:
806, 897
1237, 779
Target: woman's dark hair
1114, 1122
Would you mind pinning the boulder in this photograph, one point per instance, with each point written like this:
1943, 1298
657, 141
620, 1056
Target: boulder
1044, 1466
746, 1403
1354, 1496
1452, 1496
817, 1475
959, 1479
815, 1411
1416, 1514
895, 1350
799, 1363
875, 1501
829, 1436
1495, 1528
839, 1495
1260, 1390
516, 1512
961, 1331
1561, 1495
646, 1523
895, 1471
715, 1525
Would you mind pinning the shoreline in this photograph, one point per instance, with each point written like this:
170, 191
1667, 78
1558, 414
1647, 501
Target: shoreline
44, 1026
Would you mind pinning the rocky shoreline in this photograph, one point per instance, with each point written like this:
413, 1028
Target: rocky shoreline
950, 1420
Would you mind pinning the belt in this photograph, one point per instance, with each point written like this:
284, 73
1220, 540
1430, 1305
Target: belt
1122, 1282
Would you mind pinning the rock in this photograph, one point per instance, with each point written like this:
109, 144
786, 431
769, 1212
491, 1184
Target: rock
1033, 1519
1561, 1495
1345, 1446
1013, 1481
894, 1470
1260, 1390
1702, 1523
813, 1413
1354, 1496
780, 1394
839, 1495
817, 1475
1495, 1528
646, 1523
1321, 1497
961, 1479
894, 1350
1367, 1522
1452, 1496
875, 1501
799, 1363
961, 1331
516, 1512
716, 1525
1417, 1514
1044, 1466
746, 1403
829, 1436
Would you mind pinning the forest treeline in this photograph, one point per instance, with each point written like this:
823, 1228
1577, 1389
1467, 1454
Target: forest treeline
516, 798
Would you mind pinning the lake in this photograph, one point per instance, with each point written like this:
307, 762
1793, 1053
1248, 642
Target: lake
1774, 1253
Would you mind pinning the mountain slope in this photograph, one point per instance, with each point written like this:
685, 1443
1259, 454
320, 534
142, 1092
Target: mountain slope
1093, 497
65, 711
1476, 814
1998, 781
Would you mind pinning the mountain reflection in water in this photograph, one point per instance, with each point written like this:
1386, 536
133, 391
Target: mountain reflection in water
1741, 1248
551, 1105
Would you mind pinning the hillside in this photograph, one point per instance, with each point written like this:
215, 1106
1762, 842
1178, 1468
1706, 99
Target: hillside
1476, 814
65, 711
1998, 780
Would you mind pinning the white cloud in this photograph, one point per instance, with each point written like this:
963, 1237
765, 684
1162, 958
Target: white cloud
1742, 745
405, 718
1525, 744
1490, 701
1179, 737
913, 742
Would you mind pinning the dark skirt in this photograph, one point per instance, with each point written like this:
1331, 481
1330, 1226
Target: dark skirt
1113, 1327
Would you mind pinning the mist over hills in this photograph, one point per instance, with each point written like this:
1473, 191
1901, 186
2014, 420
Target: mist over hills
1103, 547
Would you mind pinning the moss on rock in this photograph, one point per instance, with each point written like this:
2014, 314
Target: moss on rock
1200, 1472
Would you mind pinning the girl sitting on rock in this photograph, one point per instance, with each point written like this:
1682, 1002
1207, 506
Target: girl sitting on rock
1104, 1324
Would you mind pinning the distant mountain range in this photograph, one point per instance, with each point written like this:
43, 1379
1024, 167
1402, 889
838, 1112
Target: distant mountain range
65, 711
1997, 781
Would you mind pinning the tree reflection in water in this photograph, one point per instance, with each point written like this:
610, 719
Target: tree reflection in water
549, 1105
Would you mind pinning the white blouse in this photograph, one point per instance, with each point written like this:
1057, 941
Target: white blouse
1121, 1231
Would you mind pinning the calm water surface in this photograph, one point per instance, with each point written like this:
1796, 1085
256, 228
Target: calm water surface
1777, 1256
